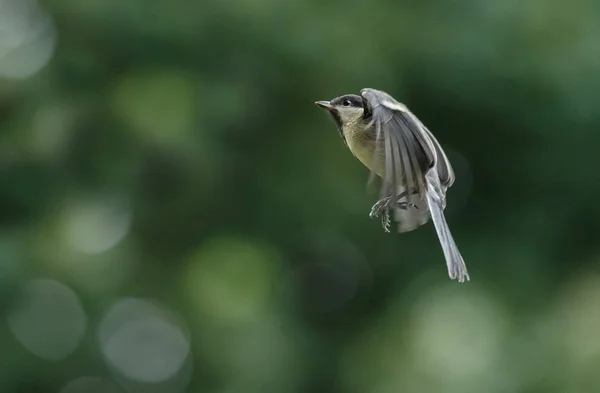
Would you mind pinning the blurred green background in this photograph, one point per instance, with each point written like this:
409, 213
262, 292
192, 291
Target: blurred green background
178, 216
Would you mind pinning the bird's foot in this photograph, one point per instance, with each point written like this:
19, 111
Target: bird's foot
382, 208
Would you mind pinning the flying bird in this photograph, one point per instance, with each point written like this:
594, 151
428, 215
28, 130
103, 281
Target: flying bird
414, 170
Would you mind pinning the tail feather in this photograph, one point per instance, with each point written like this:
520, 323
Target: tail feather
457, 268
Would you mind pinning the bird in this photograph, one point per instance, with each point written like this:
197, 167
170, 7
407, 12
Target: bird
414, 171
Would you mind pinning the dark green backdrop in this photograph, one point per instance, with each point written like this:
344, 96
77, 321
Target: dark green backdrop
178, 216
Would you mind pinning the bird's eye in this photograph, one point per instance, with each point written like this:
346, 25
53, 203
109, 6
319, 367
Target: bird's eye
346, 103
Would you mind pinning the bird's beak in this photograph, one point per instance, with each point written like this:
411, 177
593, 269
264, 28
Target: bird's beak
325, 105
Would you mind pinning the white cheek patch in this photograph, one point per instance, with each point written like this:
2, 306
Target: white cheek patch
349, 115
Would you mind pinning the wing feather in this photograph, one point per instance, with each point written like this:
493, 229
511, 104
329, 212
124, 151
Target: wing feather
416, 163
411, 153
390, 167
444, 168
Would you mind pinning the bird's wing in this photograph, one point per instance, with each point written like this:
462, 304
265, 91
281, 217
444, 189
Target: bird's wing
411, 152
409, 149
444, 169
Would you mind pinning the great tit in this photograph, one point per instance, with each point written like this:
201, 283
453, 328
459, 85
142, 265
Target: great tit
414, 170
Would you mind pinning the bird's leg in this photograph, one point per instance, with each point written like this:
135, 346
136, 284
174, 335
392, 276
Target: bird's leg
390, 202
384, 205
382, 208
385, 220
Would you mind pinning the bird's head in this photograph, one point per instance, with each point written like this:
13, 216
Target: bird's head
344, 109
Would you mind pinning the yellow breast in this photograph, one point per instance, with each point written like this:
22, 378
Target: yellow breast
363, 148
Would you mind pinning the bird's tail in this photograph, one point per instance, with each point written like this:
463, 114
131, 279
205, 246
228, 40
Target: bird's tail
454, 260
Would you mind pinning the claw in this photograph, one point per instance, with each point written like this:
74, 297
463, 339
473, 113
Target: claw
377, 208
385, 220
383, 206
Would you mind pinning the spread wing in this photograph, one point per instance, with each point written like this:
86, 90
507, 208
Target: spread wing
414, 162
408, 149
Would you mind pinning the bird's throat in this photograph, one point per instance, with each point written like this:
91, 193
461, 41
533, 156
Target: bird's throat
361, 143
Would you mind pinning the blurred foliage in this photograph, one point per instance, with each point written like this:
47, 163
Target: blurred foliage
177, 215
